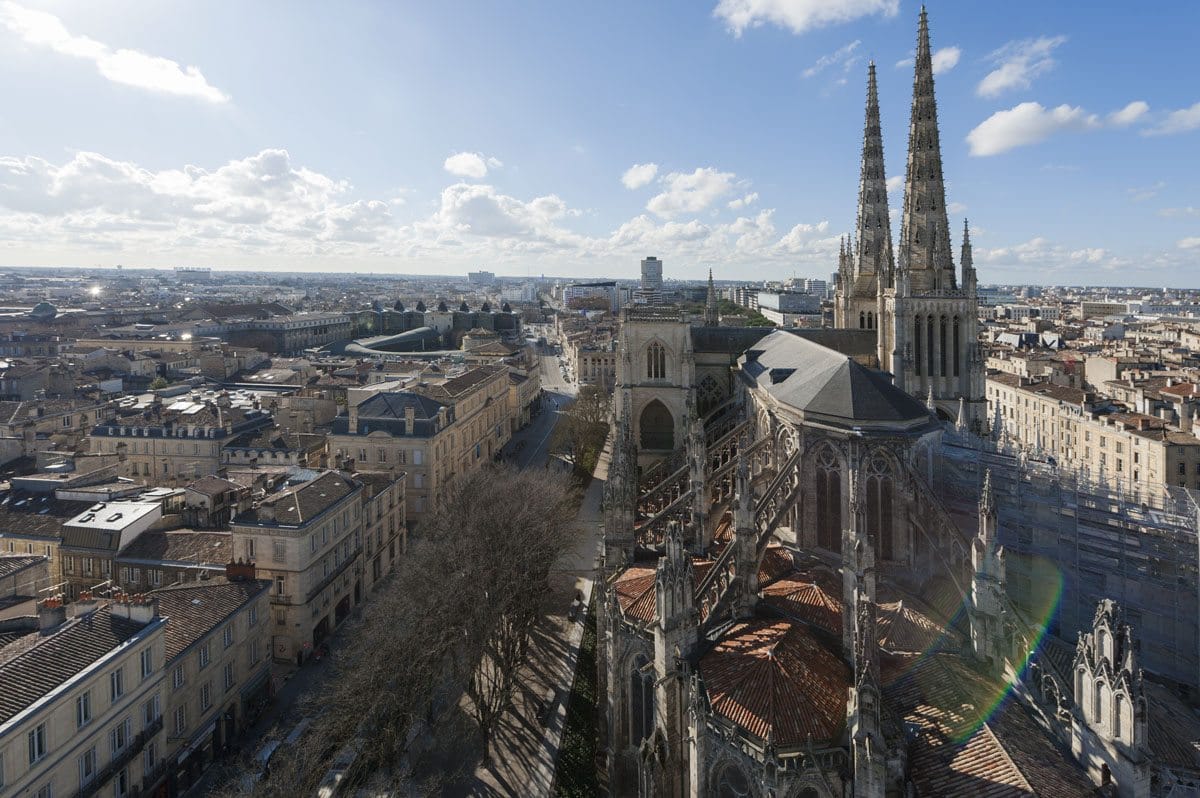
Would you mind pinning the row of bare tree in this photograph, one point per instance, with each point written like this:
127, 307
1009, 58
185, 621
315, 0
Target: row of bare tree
455, 618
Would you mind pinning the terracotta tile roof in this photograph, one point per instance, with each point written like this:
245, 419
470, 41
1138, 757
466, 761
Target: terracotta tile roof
33, 665
776, 562
1173, 731
942, 700
196, 609
906, 624
635, 588
775, 680
943, 597
814, 597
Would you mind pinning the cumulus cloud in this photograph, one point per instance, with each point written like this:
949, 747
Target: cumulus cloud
1024, 124
943, 60
1174, 212
470, 164
124, 66
690, 192
798, 16
895, 183
1143, 193
1181, 121
1190, 243
843, 58
1018, 63
1129, 114
742, 202
639, 174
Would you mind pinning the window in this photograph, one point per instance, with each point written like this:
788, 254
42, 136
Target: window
280, 585
83, 709
177, 679
46, 791
253, 651
227, 636
37, 743
87, 767
205, 696
149, 757
147, 662
312, 542
120, 736
121, 783
116, 684
252, 616
151, 710
228, 675
155, 577
180, 721
278, 551
656, 361
205, 655
250, 549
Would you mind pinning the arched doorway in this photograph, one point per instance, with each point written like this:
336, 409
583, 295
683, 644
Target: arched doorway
657, 427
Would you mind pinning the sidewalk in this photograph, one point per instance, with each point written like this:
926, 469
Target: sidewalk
525, 747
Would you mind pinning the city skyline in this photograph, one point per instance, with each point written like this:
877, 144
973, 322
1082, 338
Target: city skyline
210, 136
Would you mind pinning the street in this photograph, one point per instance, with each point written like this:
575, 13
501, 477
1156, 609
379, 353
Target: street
529, 448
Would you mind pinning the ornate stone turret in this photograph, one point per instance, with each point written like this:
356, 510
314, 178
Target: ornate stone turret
863, 723
675, 636
620, 494
969, 281
712, 317
987, 585
924, 228
1110, 734
697, 455
745, 538
858, 561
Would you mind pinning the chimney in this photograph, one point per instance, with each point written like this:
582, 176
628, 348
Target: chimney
51, 614
1185, 416
85, 603
141, 608
240, 571
410, 420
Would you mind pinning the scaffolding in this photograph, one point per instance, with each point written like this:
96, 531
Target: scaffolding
1094, 540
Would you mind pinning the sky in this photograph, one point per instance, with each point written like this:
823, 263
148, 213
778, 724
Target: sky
573, 139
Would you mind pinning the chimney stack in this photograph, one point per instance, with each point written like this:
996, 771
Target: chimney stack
141, 608
51, 614
85, 603
240, 571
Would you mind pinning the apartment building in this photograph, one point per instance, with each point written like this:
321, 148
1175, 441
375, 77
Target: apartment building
92, 540
217, 667
81, 700
1136, 449
385, 535
307, 540
179, 442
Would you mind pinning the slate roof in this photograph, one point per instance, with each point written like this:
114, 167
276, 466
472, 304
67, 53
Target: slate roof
33, 665
196, 609
214, 549
303, 503
820, 381
15, 563
384, 412
775, 680
36, 515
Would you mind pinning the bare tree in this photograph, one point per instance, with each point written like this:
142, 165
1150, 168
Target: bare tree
580, 434
455, 618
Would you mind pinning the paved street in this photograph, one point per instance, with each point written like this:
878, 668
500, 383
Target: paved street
529, 447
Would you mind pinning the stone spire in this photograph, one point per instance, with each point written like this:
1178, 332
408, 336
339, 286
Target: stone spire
967, 261
711, 317
924, 228
872, 253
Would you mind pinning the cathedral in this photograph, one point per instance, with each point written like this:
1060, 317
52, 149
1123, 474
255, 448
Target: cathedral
791, 607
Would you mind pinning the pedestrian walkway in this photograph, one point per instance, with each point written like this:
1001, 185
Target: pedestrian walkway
525, 746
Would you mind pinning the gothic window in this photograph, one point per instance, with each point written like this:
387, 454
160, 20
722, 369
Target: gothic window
929, 327
862, 320
708, 394
658, 427
641, 700
957, 346
879, 508
917, 343
656, 361
732, 783
870, 321
1118, 701
942, 349
829, 501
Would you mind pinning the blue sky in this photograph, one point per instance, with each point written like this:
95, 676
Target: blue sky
437, 137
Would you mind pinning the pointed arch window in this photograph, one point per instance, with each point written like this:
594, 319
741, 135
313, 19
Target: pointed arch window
917, 332
641, 700
942, 350
656, 361
1118, 707
870, 321
829, 501
862, 320
657, 427
879, 508
929, 353
957, 347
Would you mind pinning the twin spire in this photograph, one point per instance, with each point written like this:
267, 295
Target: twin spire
925, 256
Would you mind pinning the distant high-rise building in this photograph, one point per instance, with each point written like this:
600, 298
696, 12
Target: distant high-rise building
650, 290
481, 278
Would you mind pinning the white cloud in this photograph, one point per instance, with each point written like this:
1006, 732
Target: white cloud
690, 192
798, 16
1143, 193
124, 66
945, 59
1018, 63
1027, 123
954, 208
895, 183
470, 164
1181, 121
842, 57
639, 174
1129, 114
742, 202
1190, 243
1173, 212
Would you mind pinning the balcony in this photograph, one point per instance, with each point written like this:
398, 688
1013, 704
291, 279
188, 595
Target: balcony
126, 755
